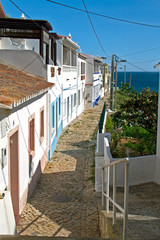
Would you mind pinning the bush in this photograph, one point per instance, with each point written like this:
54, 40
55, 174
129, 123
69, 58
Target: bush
136, 120
109, 124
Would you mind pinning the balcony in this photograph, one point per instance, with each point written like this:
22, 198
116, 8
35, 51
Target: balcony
66, 68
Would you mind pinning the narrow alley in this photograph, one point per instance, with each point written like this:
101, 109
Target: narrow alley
64, 202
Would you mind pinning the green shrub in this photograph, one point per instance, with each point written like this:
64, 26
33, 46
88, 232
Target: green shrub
109, 124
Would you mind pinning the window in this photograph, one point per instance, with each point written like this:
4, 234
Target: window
82, 68
53, 120
69, 57
79, 95
75, 95
42, 125
59, 105
66, 56
64, 107
74, 58
52, 71
32, 135
71, 104
3, 128
96, 67
3, 159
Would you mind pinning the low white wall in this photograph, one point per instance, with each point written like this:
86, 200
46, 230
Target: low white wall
7, 221
157, 170
141, 169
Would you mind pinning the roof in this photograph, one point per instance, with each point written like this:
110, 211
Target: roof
93, 57
67, 38
18, 23
56, 36
2, 12
81, 55
17, 86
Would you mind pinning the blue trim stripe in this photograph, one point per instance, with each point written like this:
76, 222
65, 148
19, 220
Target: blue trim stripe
96, 101
74, 86
55, 139
97, 85
96, 73
95, 80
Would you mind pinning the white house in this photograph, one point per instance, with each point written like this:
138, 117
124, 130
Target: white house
81, 82
34, 51
24, 133
67, 59
94, 81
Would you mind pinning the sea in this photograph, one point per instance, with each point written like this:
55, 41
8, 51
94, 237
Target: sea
140, 80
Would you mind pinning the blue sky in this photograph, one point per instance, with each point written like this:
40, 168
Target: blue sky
116, 37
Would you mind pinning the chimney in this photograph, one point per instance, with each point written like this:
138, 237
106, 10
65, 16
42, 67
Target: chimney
69, 36
22, 16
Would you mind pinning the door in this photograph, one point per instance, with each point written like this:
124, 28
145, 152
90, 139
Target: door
14, 173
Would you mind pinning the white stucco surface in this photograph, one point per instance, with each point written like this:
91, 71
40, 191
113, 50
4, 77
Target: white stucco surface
7, 221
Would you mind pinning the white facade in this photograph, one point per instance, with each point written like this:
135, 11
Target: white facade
72, 86
28, 163
94, 81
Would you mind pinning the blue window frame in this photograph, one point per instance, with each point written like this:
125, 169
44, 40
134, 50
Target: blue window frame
53, 120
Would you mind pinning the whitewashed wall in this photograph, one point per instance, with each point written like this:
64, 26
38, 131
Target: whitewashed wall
17, 44
70, 86
81, 87
20, 117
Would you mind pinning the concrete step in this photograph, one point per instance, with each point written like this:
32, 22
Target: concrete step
143, 218
21, 237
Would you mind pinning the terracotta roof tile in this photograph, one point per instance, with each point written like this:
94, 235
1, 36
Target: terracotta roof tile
2, 12
16, 85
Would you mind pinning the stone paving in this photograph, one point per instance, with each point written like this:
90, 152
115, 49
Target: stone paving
64, 202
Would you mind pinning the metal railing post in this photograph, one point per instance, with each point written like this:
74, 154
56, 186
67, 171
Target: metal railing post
114, 193
107, 188
126, 193
113, 201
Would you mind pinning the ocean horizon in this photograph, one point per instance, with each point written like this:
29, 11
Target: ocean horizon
140, 80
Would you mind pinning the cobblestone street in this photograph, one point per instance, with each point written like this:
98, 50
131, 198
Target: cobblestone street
64, 202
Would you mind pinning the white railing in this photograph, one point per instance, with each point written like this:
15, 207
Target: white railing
105, 194
66, 68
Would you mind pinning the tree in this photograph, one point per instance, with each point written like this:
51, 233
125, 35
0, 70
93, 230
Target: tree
142, 110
